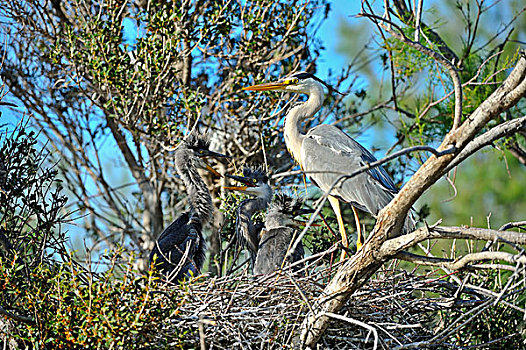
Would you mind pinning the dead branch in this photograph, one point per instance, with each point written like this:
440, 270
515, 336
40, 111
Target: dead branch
403, 242
502, 130
465, 261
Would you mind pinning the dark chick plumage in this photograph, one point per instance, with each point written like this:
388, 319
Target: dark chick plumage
185, 233
256, 183
279, 235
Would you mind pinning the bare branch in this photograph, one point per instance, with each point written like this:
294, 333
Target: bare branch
465, 261
502, 130
406, 241
437, 57
509, 225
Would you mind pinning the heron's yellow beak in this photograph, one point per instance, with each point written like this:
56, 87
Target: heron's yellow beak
212, 170
277, 85
304, 223
236, 188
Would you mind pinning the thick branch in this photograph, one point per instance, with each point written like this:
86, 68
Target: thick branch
464, 262
390, 219
502, 130
395, 245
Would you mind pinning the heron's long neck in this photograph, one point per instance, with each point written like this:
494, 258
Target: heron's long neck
199, 196
293, 120
244, 225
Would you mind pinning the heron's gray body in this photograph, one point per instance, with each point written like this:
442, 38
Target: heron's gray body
332, 152
328, 153
278, 236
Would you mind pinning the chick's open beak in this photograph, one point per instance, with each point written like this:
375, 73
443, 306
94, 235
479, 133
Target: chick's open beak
212, 170
244, 180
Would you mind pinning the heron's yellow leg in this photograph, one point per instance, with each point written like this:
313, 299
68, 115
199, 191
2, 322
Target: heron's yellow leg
335, 203
360, 240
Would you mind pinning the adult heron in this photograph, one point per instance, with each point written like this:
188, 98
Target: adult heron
326, 153
255, 183
278, 237
181, 247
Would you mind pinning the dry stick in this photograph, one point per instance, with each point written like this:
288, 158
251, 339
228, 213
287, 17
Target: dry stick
512, 225
356, 322
502, 130
440, 232
417, 21
460, 263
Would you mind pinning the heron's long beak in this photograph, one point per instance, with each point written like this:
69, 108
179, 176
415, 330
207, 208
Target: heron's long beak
212, 154
277, 85
244, 180
212, 170
299, 223
304, 211
236, 188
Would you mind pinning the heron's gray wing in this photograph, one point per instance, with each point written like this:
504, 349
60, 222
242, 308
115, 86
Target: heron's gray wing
332, 152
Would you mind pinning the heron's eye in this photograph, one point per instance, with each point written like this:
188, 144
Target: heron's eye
201, 151
254, 180
292, 81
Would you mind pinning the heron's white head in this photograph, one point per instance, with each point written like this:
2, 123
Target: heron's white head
255, 182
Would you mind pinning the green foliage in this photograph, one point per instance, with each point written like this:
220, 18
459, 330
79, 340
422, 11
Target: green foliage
485, 185
51, 300
31, 199
74, 308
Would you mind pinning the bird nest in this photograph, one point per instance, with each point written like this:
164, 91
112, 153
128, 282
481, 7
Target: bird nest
394, 309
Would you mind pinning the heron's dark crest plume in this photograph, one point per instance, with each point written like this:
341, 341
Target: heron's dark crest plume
184, 236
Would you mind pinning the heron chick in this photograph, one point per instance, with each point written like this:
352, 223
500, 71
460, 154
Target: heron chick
326, 154
181, 247
277, 239
256, 184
